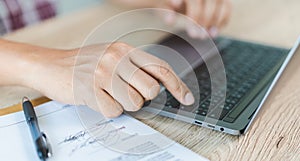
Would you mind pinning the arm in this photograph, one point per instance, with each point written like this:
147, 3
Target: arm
35, 67
137, 3
108, 78
16, 62
212, 15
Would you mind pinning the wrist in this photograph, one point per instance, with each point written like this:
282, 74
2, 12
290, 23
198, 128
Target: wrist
45, 68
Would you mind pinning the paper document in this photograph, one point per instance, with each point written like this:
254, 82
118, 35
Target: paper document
93, 139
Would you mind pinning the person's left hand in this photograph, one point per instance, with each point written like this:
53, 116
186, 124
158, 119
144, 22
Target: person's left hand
212, 15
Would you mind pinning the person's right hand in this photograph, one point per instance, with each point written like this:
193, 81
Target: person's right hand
109, 78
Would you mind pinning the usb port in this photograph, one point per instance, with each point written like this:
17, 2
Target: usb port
198, 122
211, 126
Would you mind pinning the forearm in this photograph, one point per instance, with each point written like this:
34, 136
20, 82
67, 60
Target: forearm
137, 3
13, 63
19, 62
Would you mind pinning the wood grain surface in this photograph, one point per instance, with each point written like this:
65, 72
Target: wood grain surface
275, 134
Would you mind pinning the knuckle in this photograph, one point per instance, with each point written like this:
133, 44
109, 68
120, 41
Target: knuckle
164, 69
201, 20
110, 56
107, 107
100, 71
120, 44
103, 78
153, 91
114, 111
116, 52
177, 88
136, 101
113, 114
121, 47
139, 104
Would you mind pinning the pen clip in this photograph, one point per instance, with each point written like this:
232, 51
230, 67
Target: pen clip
47, 145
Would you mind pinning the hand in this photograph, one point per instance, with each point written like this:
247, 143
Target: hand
109, 78
212, 15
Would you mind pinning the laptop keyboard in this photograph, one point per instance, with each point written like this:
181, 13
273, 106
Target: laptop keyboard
246, 70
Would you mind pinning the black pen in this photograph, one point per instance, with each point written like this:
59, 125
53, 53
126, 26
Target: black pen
39, 138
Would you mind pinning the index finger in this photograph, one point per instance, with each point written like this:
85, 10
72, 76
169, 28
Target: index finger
162, 71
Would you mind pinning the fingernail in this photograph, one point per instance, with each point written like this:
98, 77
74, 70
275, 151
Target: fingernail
154, 91
195, 32
202, 35
192, 31
176, 3
169, 18
189, 99
213, 31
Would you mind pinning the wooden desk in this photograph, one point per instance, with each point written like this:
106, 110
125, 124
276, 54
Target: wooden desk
275, 135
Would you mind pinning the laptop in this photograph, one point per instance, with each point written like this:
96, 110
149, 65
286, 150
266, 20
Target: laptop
229, 78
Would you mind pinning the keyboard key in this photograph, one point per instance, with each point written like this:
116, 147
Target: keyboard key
236, 112
204, 106
228, 106
245, 67
218, 113
173, 103
201, 112
228, 119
